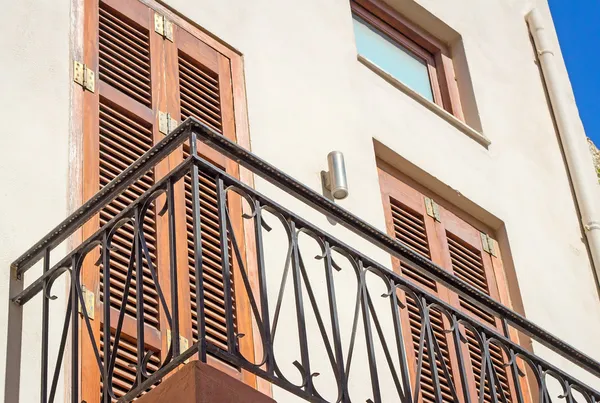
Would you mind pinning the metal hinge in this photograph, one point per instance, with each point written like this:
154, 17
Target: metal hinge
183, 343
432, 208
89, 299
83, 76
163, 26
166, 124
488, 244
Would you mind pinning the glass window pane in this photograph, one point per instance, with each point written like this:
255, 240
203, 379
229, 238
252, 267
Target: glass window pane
392, 58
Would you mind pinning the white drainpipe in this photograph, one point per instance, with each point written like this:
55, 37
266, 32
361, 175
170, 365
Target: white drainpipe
572, 136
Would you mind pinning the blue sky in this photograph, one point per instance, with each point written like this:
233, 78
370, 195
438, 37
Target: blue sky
578, 26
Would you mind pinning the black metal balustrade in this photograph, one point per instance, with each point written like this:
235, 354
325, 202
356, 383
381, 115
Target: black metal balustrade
385, 351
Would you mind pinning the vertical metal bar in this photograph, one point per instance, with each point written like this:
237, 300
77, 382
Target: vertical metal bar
198, 262
139, 294
74, 331
402, 357
225, 266
14, 339
369, 335
335, 325
45, 329
262, 285
431, 350
464, 378
61, 350
490, 368
302, 335
514, 368
173, 269
106, 379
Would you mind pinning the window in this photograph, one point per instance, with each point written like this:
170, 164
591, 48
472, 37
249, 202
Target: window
387, 41
402, 63
454, 242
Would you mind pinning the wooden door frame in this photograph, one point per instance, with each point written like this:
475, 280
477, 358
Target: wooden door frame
77, 51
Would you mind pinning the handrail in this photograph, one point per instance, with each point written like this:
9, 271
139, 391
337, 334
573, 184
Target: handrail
379, 238
193, 129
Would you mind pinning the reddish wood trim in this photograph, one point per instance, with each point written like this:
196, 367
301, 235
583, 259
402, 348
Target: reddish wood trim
133, 10
423, 45
197, 50
118, 98
151, 334
90, 378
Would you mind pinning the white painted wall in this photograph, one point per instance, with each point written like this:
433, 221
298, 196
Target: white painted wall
308, 95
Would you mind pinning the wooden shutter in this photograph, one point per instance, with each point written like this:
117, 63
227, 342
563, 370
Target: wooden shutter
465, 257
456, 245
119, 126
199, 84
408, 222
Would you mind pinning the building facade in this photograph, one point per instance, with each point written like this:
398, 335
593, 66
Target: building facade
453, 146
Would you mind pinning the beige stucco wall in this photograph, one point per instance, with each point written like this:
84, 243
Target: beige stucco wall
307, 95
34, 156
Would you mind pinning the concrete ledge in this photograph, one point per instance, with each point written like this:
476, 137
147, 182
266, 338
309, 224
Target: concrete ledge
197, 382
441, 112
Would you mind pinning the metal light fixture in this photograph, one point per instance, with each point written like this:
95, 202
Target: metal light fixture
335, 179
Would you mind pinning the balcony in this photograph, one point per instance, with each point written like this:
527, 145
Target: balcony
325, 322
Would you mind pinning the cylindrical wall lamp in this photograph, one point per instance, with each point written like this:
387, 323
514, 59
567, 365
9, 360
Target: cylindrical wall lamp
335, 179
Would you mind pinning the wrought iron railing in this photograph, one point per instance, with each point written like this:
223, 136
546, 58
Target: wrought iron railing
347, 328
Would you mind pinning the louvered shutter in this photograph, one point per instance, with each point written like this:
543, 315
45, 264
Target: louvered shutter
465, 257
407, 221
455, 245
201, 80
119, 126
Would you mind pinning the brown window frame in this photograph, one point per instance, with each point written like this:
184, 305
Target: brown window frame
423, 45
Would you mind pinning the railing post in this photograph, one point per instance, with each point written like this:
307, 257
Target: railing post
225, 264
198, 262
14, 338
262, 284
45, 330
